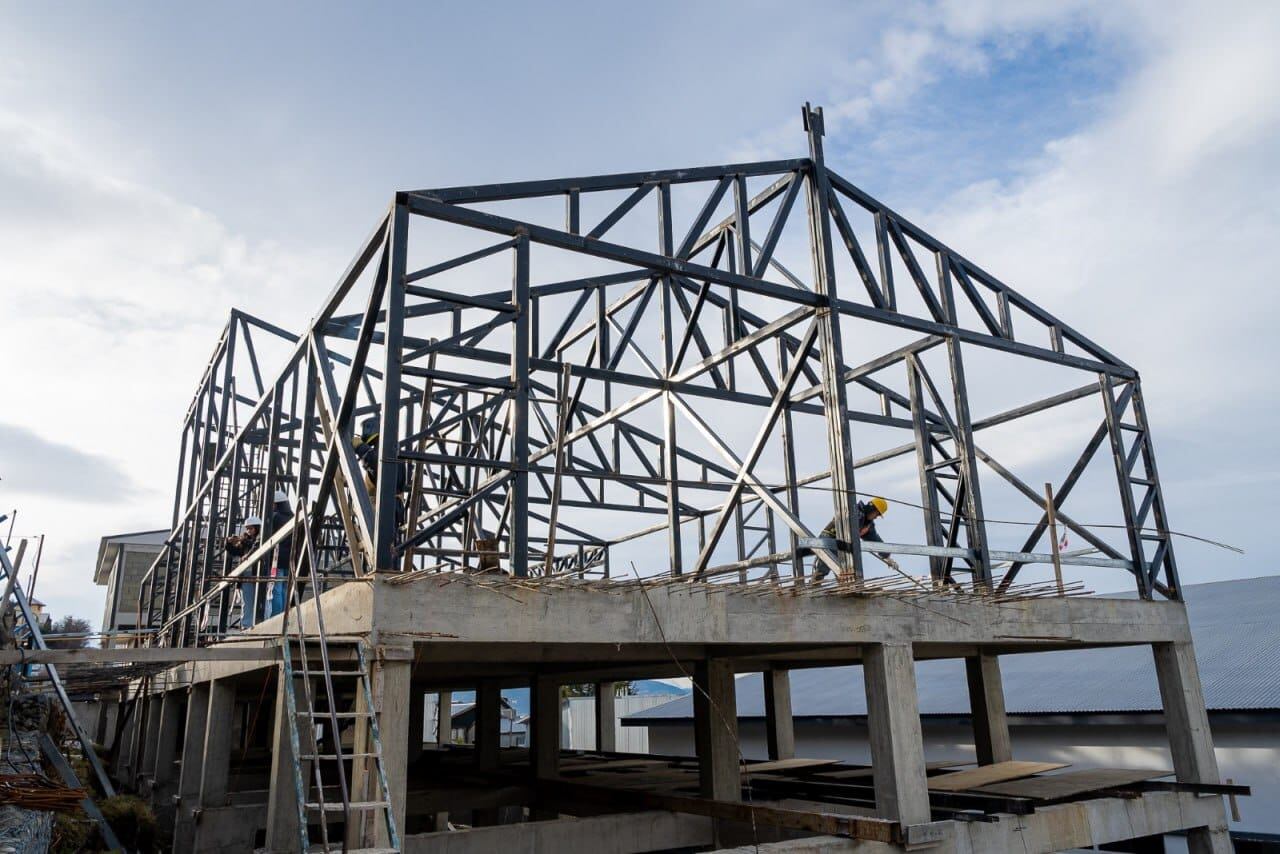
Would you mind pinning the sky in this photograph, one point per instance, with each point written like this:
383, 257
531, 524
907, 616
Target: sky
162, 163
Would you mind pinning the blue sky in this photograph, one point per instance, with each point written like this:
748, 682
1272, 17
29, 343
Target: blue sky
160, 163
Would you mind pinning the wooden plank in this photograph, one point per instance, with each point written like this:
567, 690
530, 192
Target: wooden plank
609, 765
1071, 783
867, 770
958, 781
786, 765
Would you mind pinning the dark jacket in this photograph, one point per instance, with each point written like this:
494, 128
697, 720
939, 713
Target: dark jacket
241, 544
367, 454
281, 518
869, 532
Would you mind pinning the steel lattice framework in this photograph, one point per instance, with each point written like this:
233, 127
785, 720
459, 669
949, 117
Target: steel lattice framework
529, 404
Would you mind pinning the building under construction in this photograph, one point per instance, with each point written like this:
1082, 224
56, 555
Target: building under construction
591, 430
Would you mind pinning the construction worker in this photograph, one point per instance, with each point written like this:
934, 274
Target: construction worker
868, 513
280, 518
239, 545
366, 445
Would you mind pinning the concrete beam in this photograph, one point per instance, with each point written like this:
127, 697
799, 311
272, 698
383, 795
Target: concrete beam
1190, 740
715, 727
893, 724
140, 655
607, 716
694, 614
1062, 827
780, 731
986, 702
612, 834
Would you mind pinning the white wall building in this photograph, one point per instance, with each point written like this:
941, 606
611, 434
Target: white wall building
123, 559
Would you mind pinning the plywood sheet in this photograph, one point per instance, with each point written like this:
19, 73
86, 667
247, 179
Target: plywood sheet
1071, 783
787, 765
867, 772
611, 764
985, 775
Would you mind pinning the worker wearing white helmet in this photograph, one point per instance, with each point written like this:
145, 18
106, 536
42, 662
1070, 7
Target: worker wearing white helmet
237, 546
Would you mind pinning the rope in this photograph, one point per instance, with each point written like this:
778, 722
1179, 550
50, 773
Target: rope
1022, 522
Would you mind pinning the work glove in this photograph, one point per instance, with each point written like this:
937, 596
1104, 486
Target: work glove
892, 564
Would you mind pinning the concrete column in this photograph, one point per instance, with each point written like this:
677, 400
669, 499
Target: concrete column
715, 729
217, 743
391, 693
282, 797
124, 756
545, 749
390, 674
155, 711
779, 725
137, 739
893, 723
607, 716
444, 718
488, 724
166, 745
191, 771
417, 722
1190, 740
986, 702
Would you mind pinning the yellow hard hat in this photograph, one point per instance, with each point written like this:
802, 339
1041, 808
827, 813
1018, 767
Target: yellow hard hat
880, 504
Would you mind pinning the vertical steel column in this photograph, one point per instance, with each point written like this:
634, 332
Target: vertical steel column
669, 448
1164, 547
976, 526
789, 467
1136, 552
518, 555
925, 468
835, 405
387, 503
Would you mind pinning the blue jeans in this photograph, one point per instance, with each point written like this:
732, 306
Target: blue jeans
248, 598
275, 602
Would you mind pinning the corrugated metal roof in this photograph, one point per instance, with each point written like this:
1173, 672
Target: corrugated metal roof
1237, 638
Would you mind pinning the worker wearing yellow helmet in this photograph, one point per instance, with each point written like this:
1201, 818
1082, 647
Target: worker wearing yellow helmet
868, 513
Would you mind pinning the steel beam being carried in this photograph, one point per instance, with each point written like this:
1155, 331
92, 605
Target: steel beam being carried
520, 377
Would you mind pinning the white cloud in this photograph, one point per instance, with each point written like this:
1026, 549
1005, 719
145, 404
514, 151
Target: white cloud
114, 293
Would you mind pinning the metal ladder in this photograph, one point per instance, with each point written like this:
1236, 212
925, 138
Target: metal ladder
317, 706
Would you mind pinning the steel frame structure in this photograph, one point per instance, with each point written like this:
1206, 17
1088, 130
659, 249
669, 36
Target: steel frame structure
524, 413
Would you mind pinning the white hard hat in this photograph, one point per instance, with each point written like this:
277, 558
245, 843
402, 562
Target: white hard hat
253, 520
280, 496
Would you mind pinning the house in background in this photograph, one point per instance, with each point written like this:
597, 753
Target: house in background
1104, 703
578, 721
123, 559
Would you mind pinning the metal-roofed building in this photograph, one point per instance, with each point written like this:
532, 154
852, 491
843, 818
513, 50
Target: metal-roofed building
1088, 707
123, 559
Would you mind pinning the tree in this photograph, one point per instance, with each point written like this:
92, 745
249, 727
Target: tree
68, 625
